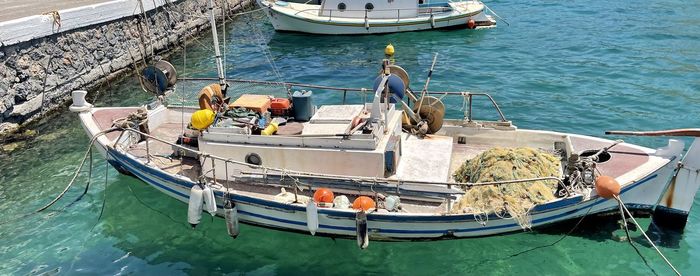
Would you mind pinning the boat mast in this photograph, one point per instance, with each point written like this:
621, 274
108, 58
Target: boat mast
219, 62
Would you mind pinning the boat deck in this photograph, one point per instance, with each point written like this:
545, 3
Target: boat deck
162, 156
421, 160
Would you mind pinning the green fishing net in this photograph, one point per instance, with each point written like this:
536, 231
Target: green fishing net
515, 199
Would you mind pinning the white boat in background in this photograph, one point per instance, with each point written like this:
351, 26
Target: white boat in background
341, 17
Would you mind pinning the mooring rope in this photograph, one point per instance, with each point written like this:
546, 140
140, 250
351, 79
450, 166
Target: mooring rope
77, 171
75, 176
624, 221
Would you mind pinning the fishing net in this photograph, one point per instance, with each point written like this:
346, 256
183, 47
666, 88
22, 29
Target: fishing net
515, 199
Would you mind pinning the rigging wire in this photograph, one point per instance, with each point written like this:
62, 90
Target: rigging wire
259, 40
223, 33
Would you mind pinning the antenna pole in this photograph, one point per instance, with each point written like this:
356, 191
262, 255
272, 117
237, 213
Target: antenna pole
219, 62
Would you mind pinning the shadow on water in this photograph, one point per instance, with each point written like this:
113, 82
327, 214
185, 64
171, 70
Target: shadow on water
142, 224
608, 227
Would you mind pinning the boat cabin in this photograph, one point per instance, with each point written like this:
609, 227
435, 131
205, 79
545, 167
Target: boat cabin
331, 142
372, 9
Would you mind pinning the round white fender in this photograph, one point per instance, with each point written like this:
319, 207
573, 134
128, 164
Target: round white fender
312, 217
209, 200
362, 233
194, 210
231, 215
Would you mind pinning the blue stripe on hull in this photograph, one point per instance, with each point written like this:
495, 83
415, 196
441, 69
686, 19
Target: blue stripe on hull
153, 176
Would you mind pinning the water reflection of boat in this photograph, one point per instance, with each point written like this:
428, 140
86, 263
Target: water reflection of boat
374, 17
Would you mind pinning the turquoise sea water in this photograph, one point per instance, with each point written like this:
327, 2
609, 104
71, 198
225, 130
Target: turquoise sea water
573, 66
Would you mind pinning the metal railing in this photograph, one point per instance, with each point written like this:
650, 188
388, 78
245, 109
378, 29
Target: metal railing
366, 14
467, 96
311, 179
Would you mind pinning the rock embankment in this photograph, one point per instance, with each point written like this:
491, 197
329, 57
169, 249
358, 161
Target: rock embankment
37, 76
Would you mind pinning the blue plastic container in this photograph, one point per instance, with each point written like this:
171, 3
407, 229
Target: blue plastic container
302, 106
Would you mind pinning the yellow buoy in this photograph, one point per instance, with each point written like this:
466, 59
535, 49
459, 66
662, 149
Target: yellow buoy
389, 50
270, 129
203, 118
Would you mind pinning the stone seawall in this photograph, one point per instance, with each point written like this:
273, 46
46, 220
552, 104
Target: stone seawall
38, 76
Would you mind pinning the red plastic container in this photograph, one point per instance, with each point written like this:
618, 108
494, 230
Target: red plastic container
280, 107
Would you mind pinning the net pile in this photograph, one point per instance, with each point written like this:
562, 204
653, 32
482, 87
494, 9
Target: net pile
515, 199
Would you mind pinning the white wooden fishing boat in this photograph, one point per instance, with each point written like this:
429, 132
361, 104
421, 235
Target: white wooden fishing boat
356, 165
395, 162
374, 17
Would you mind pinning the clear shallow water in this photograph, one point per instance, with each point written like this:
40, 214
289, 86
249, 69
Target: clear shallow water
579, 66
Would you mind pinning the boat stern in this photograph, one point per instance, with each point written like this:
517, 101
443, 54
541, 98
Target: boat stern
674, 207
481, 18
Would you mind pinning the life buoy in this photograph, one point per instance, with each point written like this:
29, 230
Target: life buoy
211, 97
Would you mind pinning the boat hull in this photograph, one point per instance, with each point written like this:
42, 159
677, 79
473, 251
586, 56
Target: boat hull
282, 21
643, 191
640, 195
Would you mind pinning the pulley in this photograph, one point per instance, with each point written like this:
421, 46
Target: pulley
430, 110
159, 77
401, 73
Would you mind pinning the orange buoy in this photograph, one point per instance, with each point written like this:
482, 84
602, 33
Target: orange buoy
471, 24
363, 203
211, 97
323, 195
607, 187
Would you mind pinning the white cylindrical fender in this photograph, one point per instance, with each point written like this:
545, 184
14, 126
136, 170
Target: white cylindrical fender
362, 230
231, 216
312, 217
194, 210
209, 200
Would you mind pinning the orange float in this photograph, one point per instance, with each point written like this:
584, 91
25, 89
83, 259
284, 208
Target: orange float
363, 203
323, 195
211, 97
471, 24
607, 187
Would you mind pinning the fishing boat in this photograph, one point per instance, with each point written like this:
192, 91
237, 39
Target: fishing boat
342, 17
383, 162
384, 169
